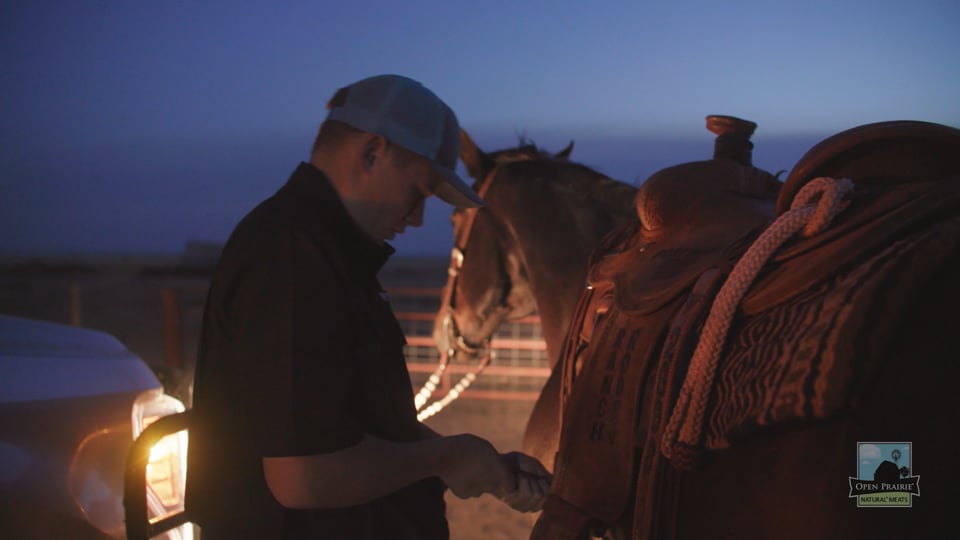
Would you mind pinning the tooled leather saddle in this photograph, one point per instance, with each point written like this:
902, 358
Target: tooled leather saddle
795, 349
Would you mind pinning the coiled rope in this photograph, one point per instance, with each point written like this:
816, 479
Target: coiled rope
812, 210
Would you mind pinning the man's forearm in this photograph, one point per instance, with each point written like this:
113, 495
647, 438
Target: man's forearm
366, 471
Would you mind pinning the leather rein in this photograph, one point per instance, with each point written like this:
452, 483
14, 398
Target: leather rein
485, 352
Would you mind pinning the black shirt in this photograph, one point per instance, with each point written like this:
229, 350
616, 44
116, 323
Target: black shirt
300, 354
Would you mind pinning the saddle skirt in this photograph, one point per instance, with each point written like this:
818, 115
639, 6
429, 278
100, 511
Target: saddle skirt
808, 337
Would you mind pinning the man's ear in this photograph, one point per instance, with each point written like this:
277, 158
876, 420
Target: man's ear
373, 149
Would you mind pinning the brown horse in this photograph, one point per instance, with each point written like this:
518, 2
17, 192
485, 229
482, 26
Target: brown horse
829, 341
527, 252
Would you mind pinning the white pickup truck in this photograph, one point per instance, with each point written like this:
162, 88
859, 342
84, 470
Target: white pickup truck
72, 401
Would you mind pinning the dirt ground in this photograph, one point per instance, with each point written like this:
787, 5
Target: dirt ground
124, 295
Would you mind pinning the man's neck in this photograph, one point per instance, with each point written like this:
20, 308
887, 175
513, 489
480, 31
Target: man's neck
344, 183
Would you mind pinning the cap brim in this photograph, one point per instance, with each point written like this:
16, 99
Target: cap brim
455, 191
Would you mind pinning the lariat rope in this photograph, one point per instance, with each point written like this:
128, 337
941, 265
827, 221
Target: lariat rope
812, 210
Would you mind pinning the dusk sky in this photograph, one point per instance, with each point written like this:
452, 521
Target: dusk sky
134, 126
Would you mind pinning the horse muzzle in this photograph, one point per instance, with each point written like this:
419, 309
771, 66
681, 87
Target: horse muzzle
449, 339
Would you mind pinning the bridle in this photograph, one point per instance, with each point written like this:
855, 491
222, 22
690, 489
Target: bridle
485, 352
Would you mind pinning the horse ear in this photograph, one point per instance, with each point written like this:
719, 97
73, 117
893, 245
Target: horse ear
565, 153
478, 162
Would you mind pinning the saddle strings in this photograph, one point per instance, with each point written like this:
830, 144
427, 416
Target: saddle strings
812, 210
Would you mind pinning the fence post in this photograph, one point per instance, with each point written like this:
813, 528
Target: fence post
172, 328
76, 306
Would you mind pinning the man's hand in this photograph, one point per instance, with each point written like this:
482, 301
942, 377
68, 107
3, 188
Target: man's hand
476, 468
533, 483
515, 478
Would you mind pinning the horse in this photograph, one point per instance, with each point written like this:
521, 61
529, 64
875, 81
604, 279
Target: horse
525, 251
719, 378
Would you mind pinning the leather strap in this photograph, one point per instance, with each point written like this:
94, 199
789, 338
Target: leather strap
655, 507
597, 444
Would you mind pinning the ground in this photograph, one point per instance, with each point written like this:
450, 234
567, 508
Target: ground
124, 296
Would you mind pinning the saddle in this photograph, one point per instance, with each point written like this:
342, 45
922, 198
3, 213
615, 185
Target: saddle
801, 333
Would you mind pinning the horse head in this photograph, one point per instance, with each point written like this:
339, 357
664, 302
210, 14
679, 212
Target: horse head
490, 285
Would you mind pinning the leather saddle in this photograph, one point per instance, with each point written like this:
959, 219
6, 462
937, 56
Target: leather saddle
690, 214
653, 280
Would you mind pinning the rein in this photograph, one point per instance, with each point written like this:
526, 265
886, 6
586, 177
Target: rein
457, 255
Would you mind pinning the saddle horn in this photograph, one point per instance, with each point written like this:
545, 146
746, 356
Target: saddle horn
733, 138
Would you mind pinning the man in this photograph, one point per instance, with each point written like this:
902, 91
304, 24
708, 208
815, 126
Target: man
304, 424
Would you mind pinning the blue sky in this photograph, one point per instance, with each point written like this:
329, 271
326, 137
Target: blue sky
130, 126
871, 455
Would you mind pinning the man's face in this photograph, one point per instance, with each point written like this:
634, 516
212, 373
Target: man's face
405, 182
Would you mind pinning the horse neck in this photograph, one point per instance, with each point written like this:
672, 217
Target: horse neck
554, 242
556, 291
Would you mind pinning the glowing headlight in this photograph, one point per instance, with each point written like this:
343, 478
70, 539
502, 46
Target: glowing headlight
167, 468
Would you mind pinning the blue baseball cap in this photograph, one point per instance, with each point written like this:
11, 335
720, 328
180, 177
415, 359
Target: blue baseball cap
408, 114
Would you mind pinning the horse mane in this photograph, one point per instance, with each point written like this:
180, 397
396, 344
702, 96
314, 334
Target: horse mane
526, 148
594, 187
583, 182
613, 194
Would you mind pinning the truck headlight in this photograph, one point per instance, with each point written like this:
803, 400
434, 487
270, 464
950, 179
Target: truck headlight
167, 468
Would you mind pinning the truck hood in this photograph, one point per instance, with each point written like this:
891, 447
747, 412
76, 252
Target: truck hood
42, 360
